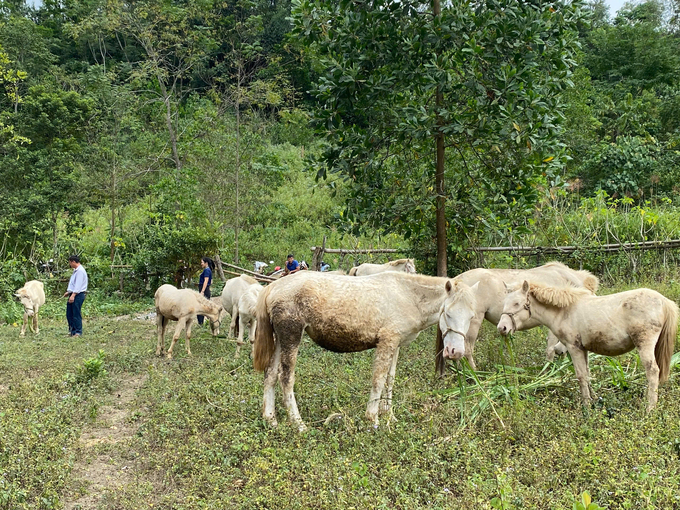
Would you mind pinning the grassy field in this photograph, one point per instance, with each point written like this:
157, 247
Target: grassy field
101, 422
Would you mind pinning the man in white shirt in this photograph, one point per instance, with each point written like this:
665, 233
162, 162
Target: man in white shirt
76, 291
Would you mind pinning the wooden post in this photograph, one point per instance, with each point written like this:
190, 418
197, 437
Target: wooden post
218, 265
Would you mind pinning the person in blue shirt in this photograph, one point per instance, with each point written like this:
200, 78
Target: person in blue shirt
205, 280
292, 265
76, 291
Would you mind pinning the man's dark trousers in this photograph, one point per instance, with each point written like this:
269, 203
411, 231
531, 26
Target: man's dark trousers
73, 316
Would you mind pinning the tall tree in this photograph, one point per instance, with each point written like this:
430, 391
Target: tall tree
499, 66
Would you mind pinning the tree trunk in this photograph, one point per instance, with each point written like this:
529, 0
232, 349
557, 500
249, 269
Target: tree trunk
113, 217
238, 162
439, 177
168, 122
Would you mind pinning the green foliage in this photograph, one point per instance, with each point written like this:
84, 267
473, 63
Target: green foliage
91, 369
586, 503
499, 76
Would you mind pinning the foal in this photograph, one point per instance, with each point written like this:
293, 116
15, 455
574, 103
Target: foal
609, 325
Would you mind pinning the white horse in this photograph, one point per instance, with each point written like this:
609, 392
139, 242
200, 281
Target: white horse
247, 309
491, 294
182, 305
404, 265
231, 294
384, 312
32, 296
609, 325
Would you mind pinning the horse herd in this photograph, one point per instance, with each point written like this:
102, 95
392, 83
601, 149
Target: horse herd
386, 306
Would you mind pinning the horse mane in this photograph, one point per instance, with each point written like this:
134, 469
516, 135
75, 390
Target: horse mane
555, 263
561, 297
588, 279
248, 278
397, 262
463, 293
212, 306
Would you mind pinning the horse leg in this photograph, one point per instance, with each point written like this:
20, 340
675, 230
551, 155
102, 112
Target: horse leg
232, 323
287, 380
190, 321
239, 340
382, 363
550, 346
36, 329
270, 377
646, 350
471, 339
591, 391
160, 331
23, 324
579, 357
251, 337
178, 331
386, 403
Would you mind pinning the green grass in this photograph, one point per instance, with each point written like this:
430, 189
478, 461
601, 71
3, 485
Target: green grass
200, 441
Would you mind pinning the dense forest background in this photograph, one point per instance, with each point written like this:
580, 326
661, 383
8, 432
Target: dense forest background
149, 133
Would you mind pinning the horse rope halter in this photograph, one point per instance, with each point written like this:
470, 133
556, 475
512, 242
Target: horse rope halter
451, 330
527, 307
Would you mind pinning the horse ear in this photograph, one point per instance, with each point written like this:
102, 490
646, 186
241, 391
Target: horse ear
475, 287
525, 287
448, 286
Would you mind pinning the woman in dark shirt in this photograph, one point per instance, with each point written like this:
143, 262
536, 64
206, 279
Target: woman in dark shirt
205, 280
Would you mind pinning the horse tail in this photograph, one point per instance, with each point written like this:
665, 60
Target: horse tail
353, 271
663, 351
439, 361
590, 281
264, 334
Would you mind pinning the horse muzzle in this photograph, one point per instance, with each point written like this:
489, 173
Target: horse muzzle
453, 353
506, 325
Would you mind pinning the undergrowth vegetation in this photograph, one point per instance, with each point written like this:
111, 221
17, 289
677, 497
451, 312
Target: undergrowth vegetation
511, 436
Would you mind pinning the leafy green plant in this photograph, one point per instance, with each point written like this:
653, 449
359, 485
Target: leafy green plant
91, 369
586, 503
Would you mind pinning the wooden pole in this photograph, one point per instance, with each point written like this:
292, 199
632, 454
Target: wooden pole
252, 273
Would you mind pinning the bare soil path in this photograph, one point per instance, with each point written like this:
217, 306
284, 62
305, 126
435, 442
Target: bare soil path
103, 463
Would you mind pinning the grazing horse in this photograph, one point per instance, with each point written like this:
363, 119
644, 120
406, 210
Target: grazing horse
609, 325
491, 294
403, 265
182, 305
247, 309
231, 294
32, 296
384, 312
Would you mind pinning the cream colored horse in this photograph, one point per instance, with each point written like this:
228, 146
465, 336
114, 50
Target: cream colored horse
32, 296
231, 294
403, 265
491, 294
182, 305
247, 309
609, 325
384, 312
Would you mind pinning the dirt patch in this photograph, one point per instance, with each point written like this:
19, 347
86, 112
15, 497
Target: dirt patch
102, 465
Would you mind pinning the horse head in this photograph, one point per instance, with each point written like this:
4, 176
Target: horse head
216, 319
455, 316
516, 308
26, 301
